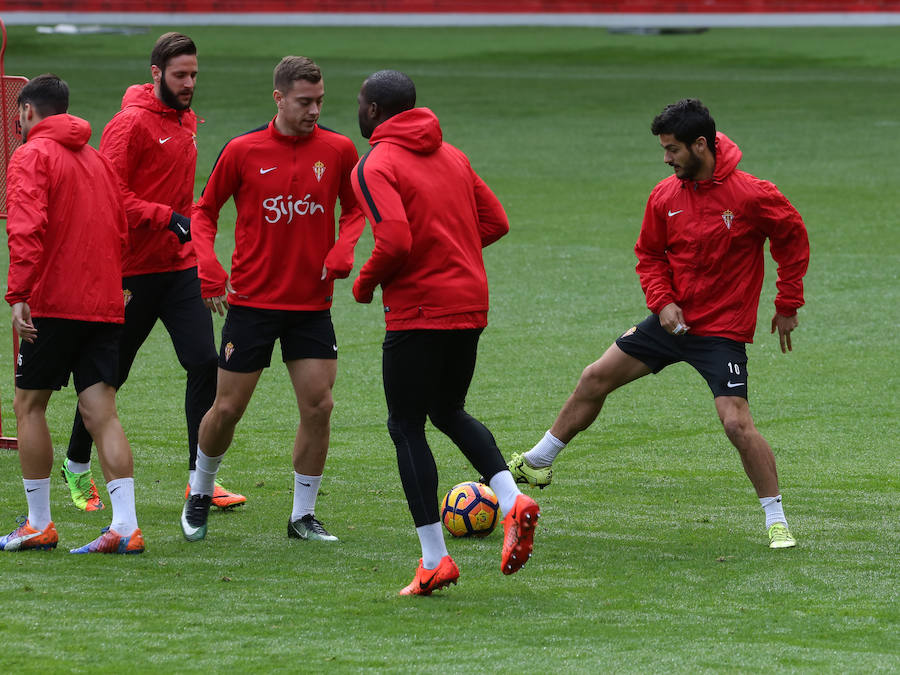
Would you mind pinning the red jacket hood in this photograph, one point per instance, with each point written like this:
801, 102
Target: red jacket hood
68, 130
417, 130
728, 154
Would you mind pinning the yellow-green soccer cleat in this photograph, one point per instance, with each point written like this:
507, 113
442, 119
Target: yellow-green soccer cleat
83, 490
524, 473
780, 536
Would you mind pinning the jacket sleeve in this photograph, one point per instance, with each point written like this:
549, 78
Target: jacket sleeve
653, 266
339, 260
123, 145
492, 220
789, 245
376, 192
28, 187
222, 184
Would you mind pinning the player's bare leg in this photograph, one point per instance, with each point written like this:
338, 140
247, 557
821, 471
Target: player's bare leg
612, 370
233, 392
97, 405
35, 445
313, 380
759, 464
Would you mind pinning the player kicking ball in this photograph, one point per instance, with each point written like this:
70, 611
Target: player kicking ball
700, 261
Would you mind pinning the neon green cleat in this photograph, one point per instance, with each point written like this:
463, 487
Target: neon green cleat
83, 490
780, 536
523, 472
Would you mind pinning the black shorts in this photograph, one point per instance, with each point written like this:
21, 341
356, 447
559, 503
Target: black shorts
722, 362
89, 350
249, 334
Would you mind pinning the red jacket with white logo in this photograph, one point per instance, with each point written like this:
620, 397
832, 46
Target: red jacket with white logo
154, 150
701, 246
66, 226
431, 215
285, 189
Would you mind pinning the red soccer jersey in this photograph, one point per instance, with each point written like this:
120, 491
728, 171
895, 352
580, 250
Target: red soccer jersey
285, 189
66, 227
701, 246
153, 147
431, 215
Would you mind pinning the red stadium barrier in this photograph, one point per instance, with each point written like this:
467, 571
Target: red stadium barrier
457, 6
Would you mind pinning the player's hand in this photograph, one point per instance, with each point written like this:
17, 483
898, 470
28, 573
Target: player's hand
784, 325
336, 266
181, 226
672, 320
21, 321
219, 303
361, 294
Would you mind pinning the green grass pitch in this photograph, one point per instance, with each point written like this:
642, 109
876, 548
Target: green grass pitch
650, 555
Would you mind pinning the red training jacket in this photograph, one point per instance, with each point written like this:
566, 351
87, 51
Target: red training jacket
154, 149
66, 226
285, 189
701, 246
431, 215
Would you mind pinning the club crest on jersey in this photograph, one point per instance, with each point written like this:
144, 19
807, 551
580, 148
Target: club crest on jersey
630, 331
319, 170
229, 350
127, 295
727, 218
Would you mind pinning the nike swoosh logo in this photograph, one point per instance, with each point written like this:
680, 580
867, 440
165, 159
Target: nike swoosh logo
189, 529
265, 171
114, 489
163, 141
425, 584
334, 347
732, 385
304, 484
675, 213
32, 489
183, 231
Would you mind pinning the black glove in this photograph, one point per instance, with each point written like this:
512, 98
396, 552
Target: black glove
181, 226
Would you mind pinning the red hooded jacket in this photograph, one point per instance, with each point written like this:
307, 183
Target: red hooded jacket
66, 226
154, 149
701, 246
431, 215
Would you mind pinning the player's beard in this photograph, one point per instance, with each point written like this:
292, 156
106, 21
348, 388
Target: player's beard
169, 97
693, 166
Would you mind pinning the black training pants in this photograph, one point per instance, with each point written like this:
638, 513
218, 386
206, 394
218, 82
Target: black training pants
174, 298
427, 373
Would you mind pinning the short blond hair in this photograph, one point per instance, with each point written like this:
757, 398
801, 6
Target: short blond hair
293, 68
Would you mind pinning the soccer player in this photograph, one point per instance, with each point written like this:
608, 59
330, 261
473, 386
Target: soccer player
431, 216
286, 178
700, 262
66, 233
152, 143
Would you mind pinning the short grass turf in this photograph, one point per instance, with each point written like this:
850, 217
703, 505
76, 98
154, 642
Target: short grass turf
650, 555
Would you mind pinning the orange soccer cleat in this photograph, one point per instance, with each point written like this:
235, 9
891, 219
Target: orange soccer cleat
26, 538
222, 498
426, 581
111, 541
518, 534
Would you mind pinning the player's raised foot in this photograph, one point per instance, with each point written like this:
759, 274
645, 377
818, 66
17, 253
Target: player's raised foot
222, 497
308, 527
523, 472
194, 515
111, 541
518, 534
26, 538
780, 536
83, 490
427, 581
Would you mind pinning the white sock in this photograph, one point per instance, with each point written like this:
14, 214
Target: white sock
545, 451
431, 537
774, 510
306, 489
504, 486
204, 479
191, 473
78, 467
121, 496
37, 493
